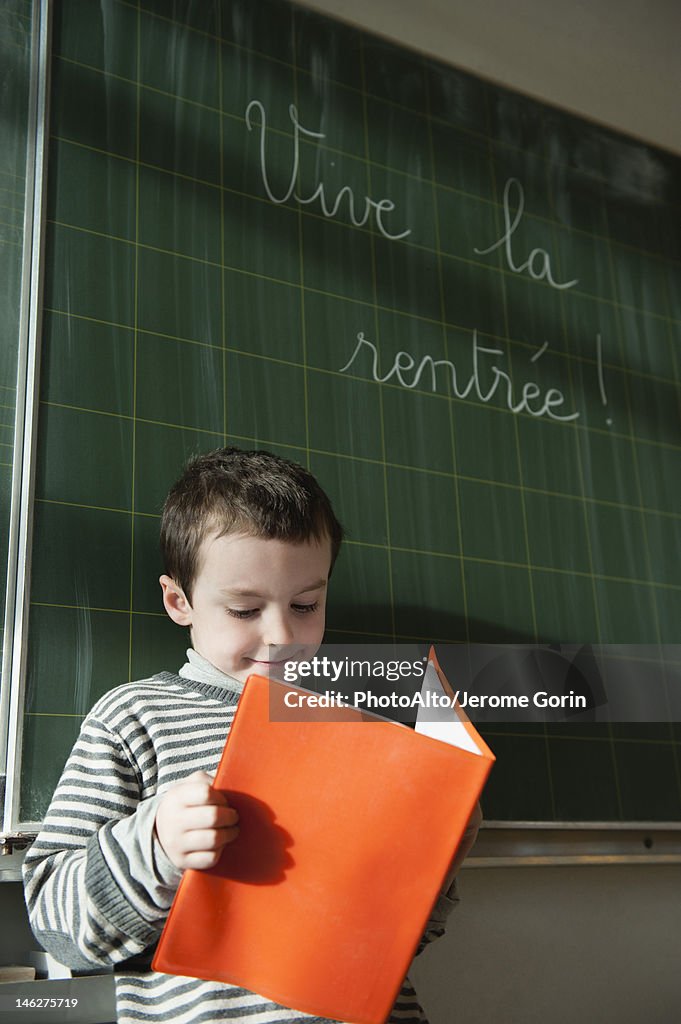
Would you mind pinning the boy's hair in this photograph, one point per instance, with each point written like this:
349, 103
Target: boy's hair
233, 491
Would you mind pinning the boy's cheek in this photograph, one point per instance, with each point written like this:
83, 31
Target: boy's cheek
312, 644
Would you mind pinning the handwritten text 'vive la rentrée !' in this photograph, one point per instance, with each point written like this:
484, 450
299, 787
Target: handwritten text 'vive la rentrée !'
527, 398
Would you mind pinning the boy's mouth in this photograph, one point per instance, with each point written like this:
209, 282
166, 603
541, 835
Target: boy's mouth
278, 659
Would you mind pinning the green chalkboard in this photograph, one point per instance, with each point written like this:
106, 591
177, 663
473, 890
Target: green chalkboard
460, 307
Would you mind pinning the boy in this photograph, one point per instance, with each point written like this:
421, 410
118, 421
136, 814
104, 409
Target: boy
249, 541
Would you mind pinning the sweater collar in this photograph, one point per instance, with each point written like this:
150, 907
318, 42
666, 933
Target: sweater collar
199, 670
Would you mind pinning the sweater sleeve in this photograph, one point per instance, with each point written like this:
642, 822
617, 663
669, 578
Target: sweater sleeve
449, 896
98, 886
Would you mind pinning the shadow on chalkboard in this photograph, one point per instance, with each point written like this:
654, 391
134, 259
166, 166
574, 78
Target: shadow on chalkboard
415, 624
496, 663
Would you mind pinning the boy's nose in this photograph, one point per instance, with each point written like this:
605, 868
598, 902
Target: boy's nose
278, 631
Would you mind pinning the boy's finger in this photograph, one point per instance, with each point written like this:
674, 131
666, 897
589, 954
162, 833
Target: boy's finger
193, 794
202, 778
201, 775
211, 816
202, 860
202, 840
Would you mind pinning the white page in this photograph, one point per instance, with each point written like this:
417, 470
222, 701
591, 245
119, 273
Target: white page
441, 723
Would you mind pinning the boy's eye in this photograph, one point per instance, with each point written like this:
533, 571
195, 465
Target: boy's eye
248, 613
305, 608
238, 613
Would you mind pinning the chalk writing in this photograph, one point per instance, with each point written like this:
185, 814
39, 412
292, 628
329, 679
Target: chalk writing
380, 207
404, 363
601, 378
538, 263
485, 380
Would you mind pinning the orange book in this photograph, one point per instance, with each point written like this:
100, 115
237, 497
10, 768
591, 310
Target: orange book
348, 825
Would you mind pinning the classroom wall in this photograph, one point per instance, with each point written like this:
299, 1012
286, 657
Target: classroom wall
616, 63
558, 945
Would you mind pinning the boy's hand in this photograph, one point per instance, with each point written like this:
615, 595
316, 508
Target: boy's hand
194, 822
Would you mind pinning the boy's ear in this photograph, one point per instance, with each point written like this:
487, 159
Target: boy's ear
175, 602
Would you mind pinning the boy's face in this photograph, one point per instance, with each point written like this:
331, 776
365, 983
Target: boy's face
255, 602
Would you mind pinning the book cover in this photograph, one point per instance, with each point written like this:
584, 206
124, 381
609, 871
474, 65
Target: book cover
348, 825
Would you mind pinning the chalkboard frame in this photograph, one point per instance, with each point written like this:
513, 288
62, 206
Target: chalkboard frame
15, 645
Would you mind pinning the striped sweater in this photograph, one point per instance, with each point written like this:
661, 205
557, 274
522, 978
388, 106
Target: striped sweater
98, 884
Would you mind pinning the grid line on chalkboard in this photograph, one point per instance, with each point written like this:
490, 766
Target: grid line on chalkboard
580, 466
673, 347
519, 461
585, 738
386, 501
223, 296
592, 574
135, 324
452, 438
15, 208
20, 178
54, 714
65, 606
634, 454
303, 318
